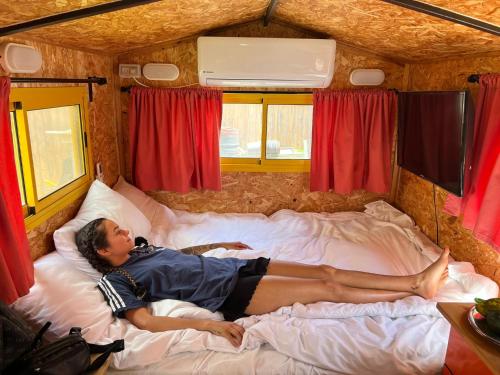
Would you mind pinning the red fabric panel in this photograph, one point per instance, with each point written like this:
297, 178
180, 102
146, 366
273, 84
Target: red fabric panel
16, 266
352, 140
480, 204
174, 138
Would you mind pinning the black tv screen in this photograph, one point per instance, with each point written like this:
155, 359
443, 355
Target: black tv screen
433, 128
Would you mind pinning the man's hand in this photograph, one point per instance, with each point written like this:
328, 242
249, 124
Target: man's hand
234, 246
231, 331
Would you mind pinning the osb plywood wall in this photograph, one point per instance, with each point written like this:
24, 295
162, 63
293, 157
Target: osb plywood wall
255, 192
265, 193
415, 195
68, 63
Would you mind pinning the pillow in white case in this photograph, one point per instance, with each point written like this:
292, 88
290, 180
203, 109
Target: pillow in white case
147, 205
161, 217
67, 298
101, 201
384, 211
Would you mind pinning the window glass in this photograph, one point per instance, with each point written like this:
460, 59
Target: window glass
17, 157
241, 130
56, 147
289, 131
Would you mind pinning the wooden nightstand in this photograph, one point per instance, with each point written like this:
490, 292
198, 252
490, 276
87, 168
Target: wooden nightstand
468, 353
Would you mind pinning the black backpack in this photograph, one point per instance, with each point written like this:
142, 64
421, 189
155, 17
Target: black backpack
21, 351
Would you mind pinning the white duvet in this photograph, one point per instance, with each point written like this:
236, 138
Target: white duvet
405, 337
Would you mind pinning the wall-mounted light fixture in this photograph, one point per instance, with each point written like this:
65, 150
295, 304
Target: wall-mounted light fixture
20, 58
160, 72
367, 77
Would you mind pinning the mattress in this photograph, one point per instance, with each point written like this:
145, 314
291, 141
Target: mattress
405, 337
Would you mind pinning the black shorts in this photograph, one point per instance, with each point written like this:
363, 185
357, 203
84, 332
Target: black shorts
248, 278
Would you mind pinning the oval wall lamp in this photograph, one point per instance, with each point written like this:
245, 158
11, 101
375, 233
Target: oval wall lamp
367, 77
160, 72
20, 58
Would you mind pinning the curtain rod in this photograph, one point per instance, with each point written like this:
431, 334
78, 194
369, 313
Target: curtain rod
473, 78
89, 81
127, 90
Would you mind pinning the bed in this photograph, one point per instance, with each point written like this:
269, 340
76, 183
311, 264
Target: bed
408, 336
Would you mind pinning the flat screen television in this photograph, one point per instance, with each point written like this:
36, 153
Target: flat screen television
434, 129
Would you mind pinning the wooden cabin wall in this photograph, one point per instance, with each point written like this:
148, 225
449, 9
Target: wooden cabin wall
254, 192
69, 63
415, 195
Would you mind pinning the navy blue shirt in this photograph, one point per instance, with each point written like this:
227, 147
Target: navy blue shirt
170, 274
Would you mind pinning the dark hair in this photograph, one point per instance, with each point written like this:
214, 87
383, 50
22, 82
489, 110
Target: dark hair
91, 238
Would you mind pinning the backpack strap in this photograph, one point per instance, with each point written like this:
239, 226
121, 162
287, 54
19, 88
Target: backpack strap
16, 366
39, 335
106, 350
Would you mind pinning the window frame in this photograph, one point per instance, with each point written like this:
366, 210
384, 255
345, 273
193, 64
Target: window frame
22, 100
263, 164
17, 157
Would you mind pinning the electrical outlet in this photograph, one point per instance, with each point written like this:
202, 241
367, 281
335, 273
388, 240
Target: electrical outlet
129, 71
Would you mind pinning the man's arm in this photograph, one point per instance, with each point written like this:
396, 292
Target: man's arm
200, 249
142, 319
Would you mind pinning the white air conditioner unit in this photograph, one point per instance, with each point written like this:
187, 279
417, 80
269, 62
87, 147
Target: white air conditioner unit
265, 62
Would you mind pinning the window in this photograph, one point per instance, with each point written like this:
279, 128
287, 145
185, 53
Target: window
49, 133
266, 132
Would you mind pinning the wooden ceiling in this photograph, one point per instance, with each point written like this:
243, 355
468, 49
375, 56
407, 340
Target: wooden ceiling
389, 30
394, 31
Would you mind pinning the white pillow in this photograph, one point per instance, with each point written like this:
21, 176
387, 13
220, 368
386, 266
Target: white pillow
101, 201
384, 211
162, 218
147, 205
67, 298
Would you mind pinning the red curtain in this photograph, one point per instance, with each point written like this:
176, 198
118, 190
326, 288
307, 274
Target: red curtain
352, 140
16, 266
480, 204
174, 138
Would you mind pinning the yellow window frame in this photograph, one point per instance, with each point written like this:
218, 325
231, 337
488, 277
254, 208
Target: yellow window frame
17, 158
23, 100
263, 164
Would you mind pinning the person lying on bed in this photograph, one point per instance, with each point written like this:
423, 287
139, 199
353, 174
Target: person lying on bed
135, 276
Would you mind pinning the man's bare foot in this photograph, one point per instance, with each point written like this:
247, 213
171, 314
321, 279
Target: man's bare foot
433, 277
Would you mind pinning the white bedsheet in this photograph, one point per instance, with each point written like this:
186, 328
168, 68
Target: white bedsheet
405, 337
